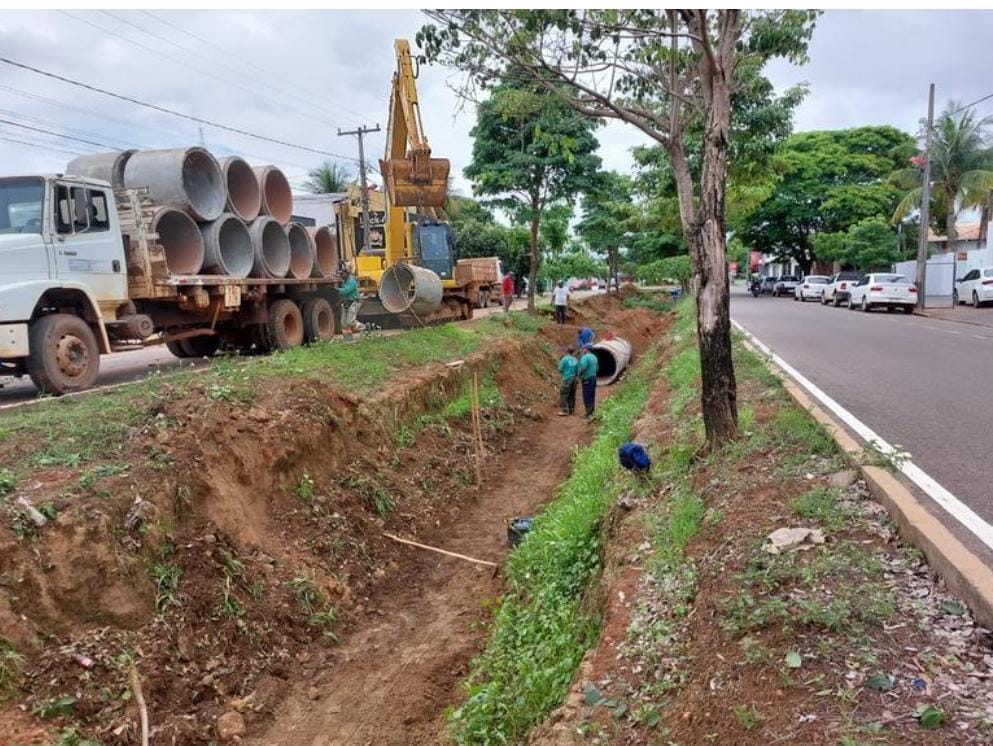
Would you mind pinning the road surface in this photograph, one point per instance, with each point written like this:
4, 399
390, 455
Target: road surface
918, 382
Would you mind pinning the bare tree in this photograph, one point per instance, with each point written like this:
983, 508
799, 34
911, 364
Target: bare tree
669, 74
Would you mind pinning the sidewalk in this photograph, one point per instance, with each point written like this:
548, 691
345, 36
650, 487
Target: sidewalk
940, 307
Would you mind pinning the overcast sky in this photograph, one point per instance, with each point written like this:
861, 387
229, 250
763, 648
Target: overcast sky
298, 76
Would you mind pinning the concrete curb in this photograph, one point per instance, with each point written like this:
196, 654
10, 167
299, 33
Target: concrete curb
965, 574
925, 315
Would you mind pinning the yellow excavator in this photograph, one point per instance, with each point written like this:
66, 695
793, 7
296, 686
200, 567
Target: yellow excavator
410, 264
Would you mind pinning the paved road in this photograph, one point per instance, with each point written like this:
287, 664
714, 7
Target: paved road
918, 382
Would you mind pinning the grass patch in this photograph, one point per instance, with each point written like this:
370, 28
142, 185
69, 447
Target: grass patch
542, 628
820, 504
11, 663
321, 614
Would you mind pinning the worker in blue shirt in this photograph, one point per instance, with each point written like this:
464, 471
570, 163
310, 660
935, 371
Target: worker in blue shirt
585, 337
568, 367
349, 294
587, 376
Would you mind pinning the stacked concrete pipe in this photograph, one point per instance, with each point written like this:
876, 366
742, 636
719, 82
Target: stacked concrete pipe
277, 197
612, 356
185, 178
325, 251
272, 248
228, 247
180, 238
244, 194
107, 167
301, 251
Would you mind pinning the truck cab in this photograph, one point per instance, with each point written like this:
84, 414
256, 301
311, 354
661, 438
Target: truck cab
61, 255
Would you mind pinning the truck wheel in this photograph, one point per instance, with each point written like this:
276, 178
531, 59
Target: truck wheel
64, 355
194, 346
318, 320
285, 327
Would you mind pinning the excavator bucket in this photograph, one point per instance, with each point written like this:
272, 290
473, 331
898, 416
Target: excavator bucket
411, 185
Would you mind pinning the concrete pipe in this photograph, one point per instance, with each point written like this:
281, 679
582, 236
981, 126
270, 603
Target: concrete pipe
612, 356
325, 251
244, 195
228, 247
107, 167
301, 251
277, 199
272, 248
181, 240
185, 178
405, 288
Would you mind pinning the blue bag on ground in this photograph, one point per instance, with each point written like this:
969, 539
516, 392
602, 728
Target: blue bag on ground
633, 457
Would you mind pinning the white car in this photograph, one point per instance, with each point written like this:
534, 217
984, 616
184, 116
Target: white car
837, 290
975, 287
811, 287
883, 289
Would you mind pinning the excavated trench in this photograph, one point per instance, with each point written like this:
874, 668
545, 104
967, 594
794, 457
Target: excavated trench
271, 521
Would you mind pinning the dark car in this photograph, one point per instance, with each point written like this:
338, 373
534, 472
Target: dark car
839, 289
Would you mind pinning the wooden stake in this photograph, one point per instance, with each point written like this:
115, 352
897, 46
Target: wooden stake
139, 699
441, 551
477, 429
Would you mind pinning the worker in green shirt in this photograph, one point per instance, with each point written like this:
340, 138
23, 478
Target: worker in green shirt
568, 366
587, 376
349, 294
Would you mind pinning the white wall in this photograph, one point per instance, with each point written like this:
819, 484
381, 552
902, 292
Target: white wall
939, 269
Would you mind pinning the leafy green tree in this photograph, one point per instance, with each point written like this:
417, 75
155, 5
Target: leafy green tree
530, 152
609, 215
328, 178
662, 72
961, 169
830, 180
867, 245
670, 269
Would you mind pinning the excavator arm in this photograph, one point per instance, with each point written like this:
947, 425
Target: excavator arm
413, 178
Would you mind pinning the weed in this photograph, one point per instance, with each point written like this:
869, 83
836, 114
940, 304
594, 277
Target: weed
53, 707
320, 612
404, 436
748, 716
229, 605
304, 488
875, 454
11, 663
754, 650
373, 494
8, 482
820, 504
166, 575
70, 736
641, 301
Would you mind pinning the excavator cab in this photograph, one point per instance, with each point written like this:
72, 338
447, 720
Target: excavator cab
434, 246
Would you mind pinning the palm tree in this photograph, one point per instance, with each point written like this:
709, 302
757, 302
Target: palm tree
327, 178
961, 163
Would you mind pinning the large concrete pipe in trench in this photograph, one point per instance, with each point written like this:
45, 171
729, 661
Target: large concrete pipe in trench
244, 195
301, 251
180, 239
405, 288
104, 166
228, 247
272, 248
185, 178
325, 251
277, 198
612, 356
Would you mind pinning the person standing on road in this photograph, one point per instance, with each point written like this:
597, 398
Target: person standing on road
507, 288
568, 367
349, 294
560, 300
587, 374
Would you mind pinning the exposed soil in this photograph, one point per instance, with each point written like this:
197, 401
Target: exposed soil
244, 540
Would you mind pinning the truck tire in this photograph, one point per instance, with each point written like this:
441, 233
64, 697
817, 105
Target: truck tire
204, 346
318, 320
64, 355
285, 327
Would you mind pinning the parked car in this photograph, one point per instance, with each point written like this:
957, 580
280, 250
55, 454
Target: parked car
838, 289
883, 289
785, 285
768, 284
975, 287
811, 287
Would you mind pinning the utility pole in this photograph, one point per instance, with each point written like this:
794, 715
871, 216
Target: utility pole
360, 133
925, 209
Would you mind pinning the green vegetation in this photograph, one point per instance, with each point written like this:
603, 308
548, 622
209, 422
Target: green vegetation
11, 663
320, 612
543, 626
166, 575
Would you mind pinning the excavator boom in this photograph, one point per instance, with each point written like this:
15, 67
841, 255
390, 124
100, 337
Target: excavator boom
413, 178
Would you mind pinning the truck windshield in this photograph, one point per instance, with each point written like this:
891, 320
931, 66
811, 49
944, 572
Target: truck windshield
20, 205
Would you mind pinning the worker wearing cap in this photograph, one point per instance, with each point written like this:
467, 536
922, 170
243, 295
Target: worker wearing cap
587, 375
349, 294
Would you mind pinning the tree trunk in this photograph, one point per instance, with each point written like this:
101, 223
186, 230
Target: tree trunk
719, 395
533, 268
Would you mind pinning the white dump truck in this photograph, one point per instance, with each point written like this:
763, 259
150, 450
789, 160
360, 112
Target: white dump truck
151, 255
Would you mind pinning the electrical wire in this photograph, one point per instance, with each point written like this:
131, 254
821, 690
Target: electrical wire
966, 106
173, 112
38, 145
56, 134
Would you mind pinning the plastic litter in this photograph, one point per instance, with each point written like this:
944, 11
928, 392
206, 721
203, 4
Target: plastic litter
517, 529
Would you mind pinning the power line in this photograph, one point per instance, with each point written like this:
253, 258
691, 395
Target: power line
49, 123
173, 112
37, 145
966, 106
56, 134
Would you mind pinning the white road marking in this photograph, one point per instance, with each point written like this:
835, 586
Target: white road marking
952, 505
